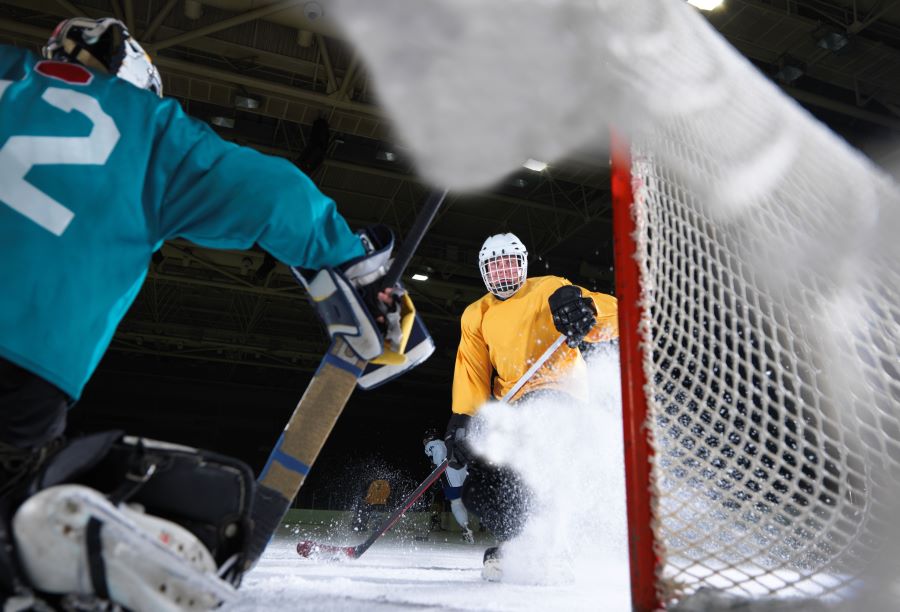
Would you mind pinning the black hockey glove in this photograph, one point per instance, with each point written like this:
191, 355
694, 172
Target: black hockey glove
458, 450
573, 315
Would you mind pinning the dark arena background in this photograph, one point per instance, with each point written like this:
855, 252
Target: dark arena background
219, 346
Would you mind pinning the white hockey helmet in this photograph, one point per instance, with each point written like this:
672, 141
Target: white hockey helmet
103, 44
503, 261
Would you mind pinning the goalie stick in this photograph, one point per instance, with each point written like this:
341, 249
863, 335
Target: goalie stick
307, 548
320, 406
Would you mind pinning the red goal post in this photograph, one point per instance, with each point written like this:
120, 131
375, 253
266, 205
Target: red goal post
636, 442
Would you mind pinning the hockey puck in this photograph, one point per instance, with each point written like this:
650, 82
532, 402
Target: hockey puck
305, 548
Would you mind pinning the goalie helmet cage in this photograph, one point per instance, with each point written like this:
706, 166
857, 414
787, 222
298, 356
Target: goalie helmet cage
760, 410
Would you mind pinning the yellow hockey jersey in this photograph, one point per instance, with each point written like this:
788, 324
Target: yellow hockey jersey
502, 338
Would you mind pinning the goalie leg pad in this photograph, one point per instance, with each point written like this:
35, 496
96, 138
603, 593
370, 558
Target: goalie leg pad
72, 540
209, 494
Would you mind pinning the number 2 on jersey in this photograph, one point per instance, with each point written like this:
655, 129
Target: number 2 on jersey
21, 153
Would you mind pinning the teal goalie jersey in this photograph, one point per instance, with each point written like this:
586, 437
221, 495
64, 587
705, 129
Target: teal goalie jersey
94, 175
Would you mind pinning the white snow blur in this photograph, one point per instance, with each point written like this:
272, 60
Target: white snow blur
571, 555
570, 455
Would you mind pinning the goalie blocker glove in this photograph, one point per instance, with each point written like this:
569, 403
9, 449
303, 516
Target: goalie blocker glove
573, 315
389, 336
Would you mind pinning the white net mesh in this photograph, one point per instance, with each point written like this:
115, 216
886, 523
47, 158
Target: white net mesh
772, 352
769, 258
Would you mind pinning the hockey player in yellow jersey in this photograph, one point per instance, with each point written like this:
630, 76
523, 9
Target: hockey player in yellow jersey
502, 335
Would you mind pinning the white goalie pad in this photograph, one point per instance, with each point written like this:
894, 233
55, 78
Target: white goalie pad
148, 563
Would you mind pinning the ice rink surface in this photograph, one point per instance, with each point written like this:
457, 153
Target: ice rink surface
435, 575
570, 556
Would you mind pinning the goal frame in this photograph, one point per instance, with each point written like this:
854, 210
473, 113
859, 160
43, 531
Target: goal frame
638, 448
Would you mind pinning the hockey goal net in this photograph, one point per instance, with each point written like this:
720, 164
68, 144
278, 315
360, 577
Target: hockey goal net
757, 269
760, 323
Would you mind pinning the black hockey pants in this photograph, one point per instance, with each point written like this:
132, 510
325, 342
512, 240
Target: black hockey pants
497, 495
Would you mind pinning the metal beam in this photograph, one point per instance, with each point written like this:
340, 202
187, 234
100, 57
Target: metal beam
161, 14
509, 200
874, 15
256, 13
841, 107
326, 61
349, 77
286, 91
117, 10
73, 10
129, 15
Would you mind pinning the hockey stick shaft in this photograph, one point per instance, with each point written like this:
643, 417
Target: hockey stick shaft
308, 547
534, 368
414, 237
320, 406
397, 514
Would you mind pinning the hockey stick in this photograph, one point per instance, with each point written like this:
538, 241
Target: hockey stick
534, 368
307, 548
320, 406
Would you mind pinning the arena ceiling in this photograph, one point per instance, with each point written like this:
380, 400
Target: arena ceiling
262, 72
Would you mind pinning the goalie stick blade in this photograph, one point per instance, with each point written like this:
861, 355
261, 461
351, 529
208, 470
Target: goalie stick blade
315, 550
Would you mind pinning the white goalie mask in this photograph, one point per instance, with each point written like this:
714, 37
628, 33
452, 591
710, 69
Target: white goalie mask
104, 44
503, 261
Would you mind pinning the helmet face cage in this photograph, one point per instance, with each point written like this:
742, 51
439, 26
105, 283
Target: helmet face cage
503, 275
108, 42
503, 261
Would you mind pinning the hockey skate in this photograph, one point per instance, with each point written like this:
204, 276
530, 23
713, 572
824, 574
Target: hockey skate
72, 541
491, 570
467, 536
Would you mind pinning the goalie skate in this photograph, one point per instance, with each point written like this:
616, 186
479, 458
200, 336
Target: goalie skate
72, 540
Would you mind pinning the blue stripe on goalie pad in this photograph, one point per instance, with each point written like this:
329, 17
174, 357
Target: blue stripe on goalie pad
419, 347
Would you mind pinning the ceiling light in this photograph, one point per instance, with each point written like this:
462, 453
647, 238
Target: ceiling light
222, 122
248, 102
789, 69
833, 41
312, 10
705, 5
533, 164
386, 156
419, 277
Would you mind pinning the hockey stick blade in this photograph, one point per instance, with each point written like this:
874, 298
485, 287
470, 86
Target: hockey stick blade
316, 550
309, 548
